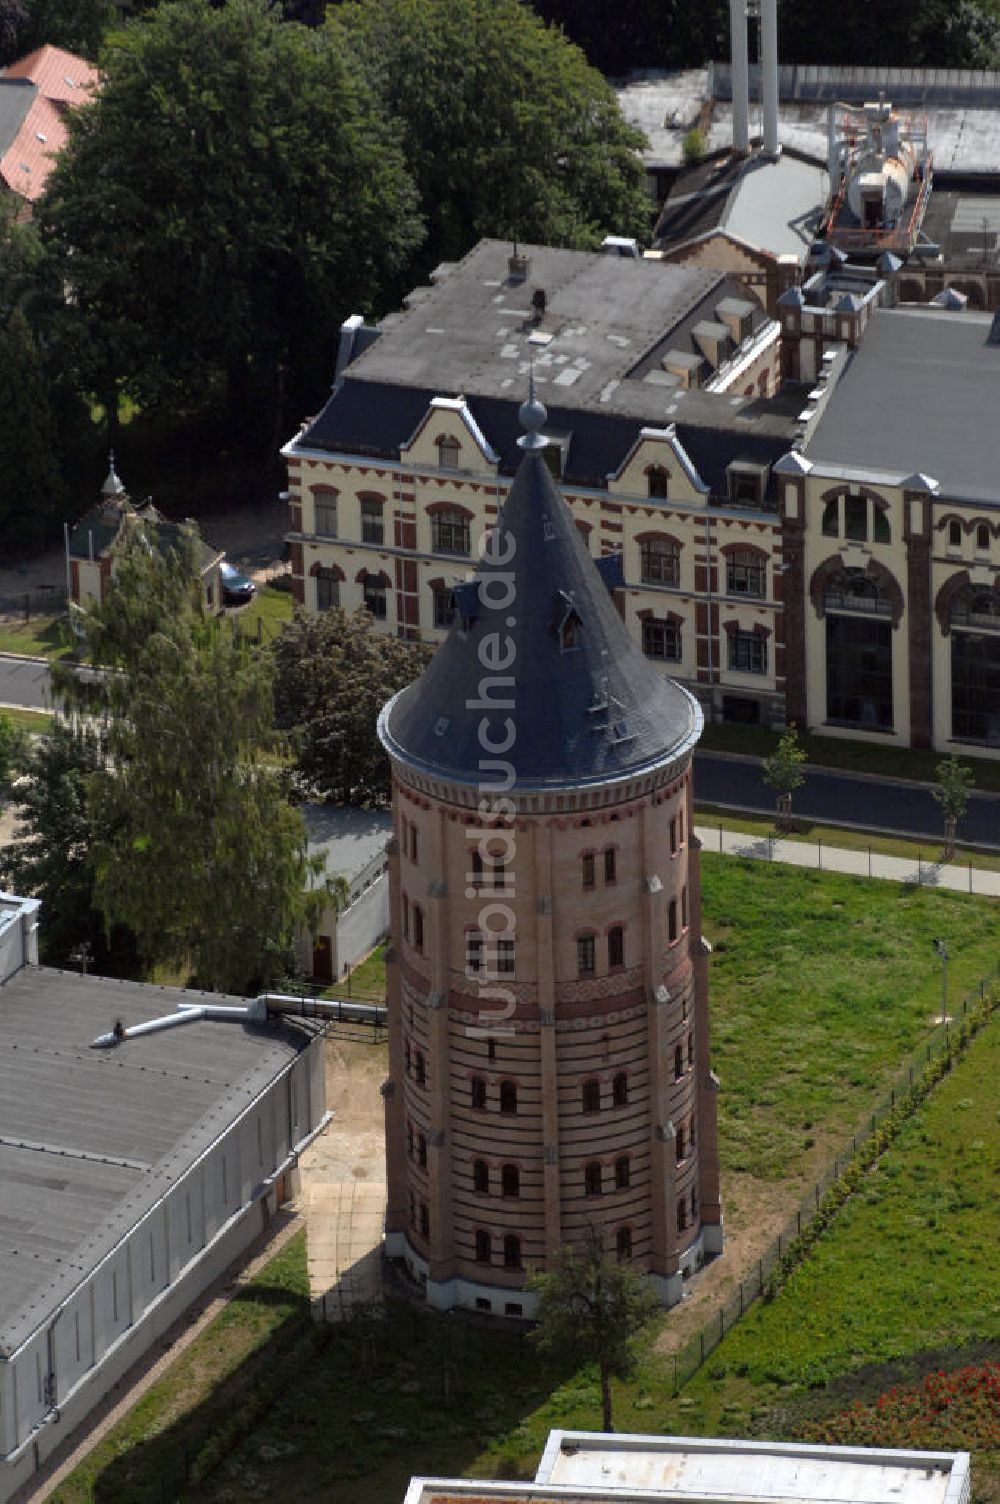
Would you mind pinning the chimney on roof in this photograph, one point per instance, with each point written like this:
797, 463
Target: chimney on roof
741, 75
518, 266
769, 86
538, 304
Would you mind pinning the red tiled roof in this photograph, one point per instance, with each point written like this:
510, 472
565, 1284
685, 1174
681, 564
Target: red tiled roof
29, 159
58, 75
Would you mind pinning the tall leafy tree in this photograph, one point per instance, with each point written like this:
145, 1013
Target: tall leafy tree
49, 856
222, 204
78, 25
506, 128
13, 745
32, 493
590, 1310
195, 847
335, 671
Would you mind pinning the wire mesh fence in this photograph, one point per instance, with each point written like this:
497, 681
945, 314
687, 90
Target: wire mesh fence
974, 1009
40, 600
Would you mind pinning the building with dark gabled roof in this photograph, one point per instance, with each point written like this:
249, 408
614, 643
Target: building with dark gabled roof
548, 1000
664, 428
91, 545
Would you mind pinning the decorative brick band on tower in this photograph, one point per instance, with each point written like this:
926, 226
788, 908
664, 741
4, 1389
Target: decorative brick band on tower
549, 1030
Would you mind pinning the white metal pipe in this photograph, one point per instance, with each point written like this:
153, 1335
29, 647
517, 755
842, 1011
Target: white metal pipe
769, 64
741, 75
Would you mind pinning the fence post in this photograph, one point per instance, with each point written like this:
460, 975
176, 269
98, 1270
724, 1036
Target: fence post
920, 870
819, 854
720, 837
701, 1338
970, 876
869, 861
722, 1322
27, 606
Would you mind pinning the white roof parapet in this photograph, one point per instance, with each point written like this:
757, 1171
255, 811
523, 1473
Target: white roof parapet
793, 463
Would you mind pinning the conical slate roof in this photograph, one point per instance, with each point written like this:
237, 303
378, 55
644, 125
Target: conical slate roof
540, 654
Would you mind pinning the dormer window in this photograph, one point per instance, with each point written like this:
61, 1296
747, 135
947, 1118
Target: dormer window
746, 483
568, 623
449, 451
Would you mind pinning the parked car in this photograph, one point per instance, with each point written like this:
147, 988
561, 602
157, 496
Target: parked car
236, 588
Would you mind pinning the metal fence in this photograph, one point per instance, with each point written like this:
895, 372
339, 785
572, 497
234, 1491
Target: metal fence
41, 600
925, 872
976, 1005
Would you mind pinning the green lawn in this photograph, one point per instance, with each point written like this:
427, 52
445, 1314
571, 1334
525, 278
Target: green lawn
821, 986
38, 721
906, 1276
267, 613
854, 756
41, 637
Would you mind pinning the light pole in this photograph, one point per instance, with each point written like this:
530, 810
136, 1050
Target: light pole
942, 950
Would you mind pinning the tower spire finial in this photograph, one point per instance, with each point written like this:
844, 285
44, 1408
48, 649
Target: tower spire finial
532, 415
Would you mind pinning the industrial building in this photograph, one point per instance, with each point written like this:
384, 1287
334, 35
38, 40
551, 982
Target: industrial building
549, 1062
131, 1176
583, 1467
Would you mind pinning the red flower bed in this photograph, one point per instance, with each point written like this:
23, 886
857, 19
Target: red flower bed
947, 1411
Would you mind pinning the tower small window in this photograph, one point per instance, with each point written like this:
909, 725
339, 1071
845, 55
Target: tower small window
418, 928
422, 1151
478, 1093
483, 1251
616, 947
587, 867
481, 1177
505, 958
610, 864
672, 921
585, 958
673, 836
425, 1220
510, 1180
694, 1205
623, 1173
682, 1216
690, 1051
508, 1096
678, 1063
679, 1144
592, 1178
623, 1244
473, 952
409, 1140
619, 1090
591, 1094
419, 1068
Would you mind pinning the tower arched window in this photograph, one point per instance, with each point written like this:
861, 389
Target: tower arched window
679, 1143
682, 1215
478, 1093
425, 1220
619, 1089
419, 1068
616, 947
610, 864
480, 1177
592, 1178
587, 869
422, 1150
623, 1173
409, 1140
586, 959
623, 1244
591, 1094
418, 929
510, 1181
672, 921
512, 1251
694, 1205
473, 952
508, 1096
483, 1251
678, 1062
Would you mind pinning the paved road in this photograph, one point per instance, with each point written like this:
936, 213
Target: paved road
880, 804
24, 683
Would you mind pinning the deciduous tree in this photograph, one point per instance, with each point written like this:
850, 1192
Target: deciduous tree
590, 1310
229, 196
194, 844
955, 782
506, 129
782, 771
335, 671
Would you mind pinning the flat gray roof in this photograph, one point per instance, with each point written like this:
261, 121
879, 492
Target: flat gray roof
91, 1139
347, 839
922, 392
743, 1472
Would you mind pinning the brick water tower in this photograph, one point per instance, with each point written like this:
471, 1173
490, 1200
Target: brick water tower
548, 996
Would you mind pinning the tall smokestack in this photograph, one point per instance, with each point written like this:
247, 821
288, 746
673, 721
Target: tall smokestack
741, 75
769, 62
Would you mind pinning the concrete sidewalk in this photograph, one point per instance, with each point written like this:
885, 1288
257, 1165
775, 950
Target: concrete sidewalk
927, 873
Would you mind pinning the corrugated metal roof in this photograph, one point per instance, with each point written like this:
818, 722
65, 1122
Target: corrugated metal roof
91, 1139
